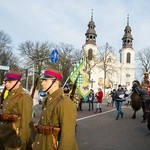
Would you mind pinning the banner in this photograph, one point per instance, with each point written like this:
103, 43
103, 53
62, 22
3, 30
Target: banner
83, 79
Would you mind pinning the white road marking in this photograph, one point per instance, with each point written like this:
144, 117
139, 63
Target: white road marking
83, 118
95, 115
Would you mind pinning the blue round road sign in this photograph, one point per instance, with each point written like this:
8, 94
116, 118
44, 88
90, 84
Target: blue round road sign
54, 56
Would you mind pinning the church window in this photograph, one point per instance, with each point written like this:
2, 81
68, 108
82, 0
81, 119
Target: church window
127, 75
109, 59
120, 57
127, 83
90, 53
128, 79
128, 59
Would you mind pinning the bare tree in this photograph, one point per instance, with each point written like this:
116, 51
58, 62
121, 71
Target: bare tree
5, 48
143, 59
34, 53
38, 54
68, 55
6, 55
106, 61
35, 56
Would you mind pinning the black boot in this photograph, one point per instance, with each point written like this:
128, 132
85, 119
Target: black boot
117, 117
100, 110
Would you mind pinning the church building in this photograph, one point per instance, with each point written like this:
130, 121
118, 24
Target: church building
109, 71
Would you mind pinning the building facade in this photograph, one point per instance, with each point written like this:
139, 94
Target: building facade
109, 71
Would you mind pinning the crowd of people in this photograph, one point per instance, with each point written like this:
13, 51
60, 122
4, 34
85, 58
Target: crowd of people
98, 97
16, 116
119, 96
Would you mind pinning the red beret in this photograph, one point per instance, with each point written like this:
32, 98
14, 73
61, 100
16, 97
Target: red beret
12, 75
51, 73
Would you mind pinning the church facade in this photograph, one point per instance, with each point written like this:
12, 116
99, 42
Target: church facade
109, 71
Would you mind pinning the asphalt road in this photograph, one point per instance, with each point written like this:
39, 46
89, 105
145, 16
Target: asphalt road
103, 132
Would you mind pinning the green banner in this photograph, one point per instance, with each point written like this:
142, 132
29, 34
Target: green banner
83, 79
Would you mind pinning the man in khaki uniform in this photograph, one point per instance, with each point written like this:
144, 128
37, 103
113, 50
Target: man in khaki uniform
56, 128
144, 85
145, 81
17, 111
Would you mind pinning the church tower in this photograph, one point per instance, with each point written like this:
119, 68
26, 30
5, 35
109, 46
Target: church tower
127, 54
90, 47
127, 51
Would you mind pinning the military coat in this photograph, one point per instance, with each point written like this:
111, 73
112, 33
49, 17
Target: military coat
20, 103
64, 116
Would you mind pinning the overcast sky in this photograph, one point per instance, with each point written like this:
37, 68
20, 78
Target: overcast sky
66, 21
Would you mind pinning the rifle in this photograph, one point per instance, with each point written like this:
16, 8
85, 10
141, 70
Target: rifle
74, 87
34, 87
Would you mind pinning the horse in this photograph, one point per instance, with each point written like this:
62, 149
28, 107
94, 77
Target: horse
135, 103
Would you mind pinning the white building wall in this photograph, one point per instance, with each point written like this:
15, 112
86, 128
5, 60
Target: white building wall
119, 76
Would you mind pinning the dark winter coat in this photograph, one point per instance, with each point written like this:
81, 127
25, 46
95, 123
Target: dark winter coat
118, 93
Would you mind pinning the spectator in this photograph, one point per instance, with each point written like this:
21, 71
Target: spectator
112, 97
66, 90
91, 99
80, 104
119, 98
99, 96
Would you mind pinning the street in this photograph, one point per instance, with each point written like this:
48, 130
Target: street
103, 132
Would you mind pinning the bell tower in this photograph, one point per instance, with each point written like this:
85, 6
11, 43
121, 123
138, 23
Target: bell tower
127, 54
127, 51
90, 47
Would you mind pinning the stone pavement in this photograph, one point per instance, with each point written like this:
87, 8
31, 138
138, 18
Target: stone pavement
103, 132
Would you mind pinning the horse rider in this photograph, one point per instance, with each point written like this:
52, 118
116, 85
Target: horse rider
143, 91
